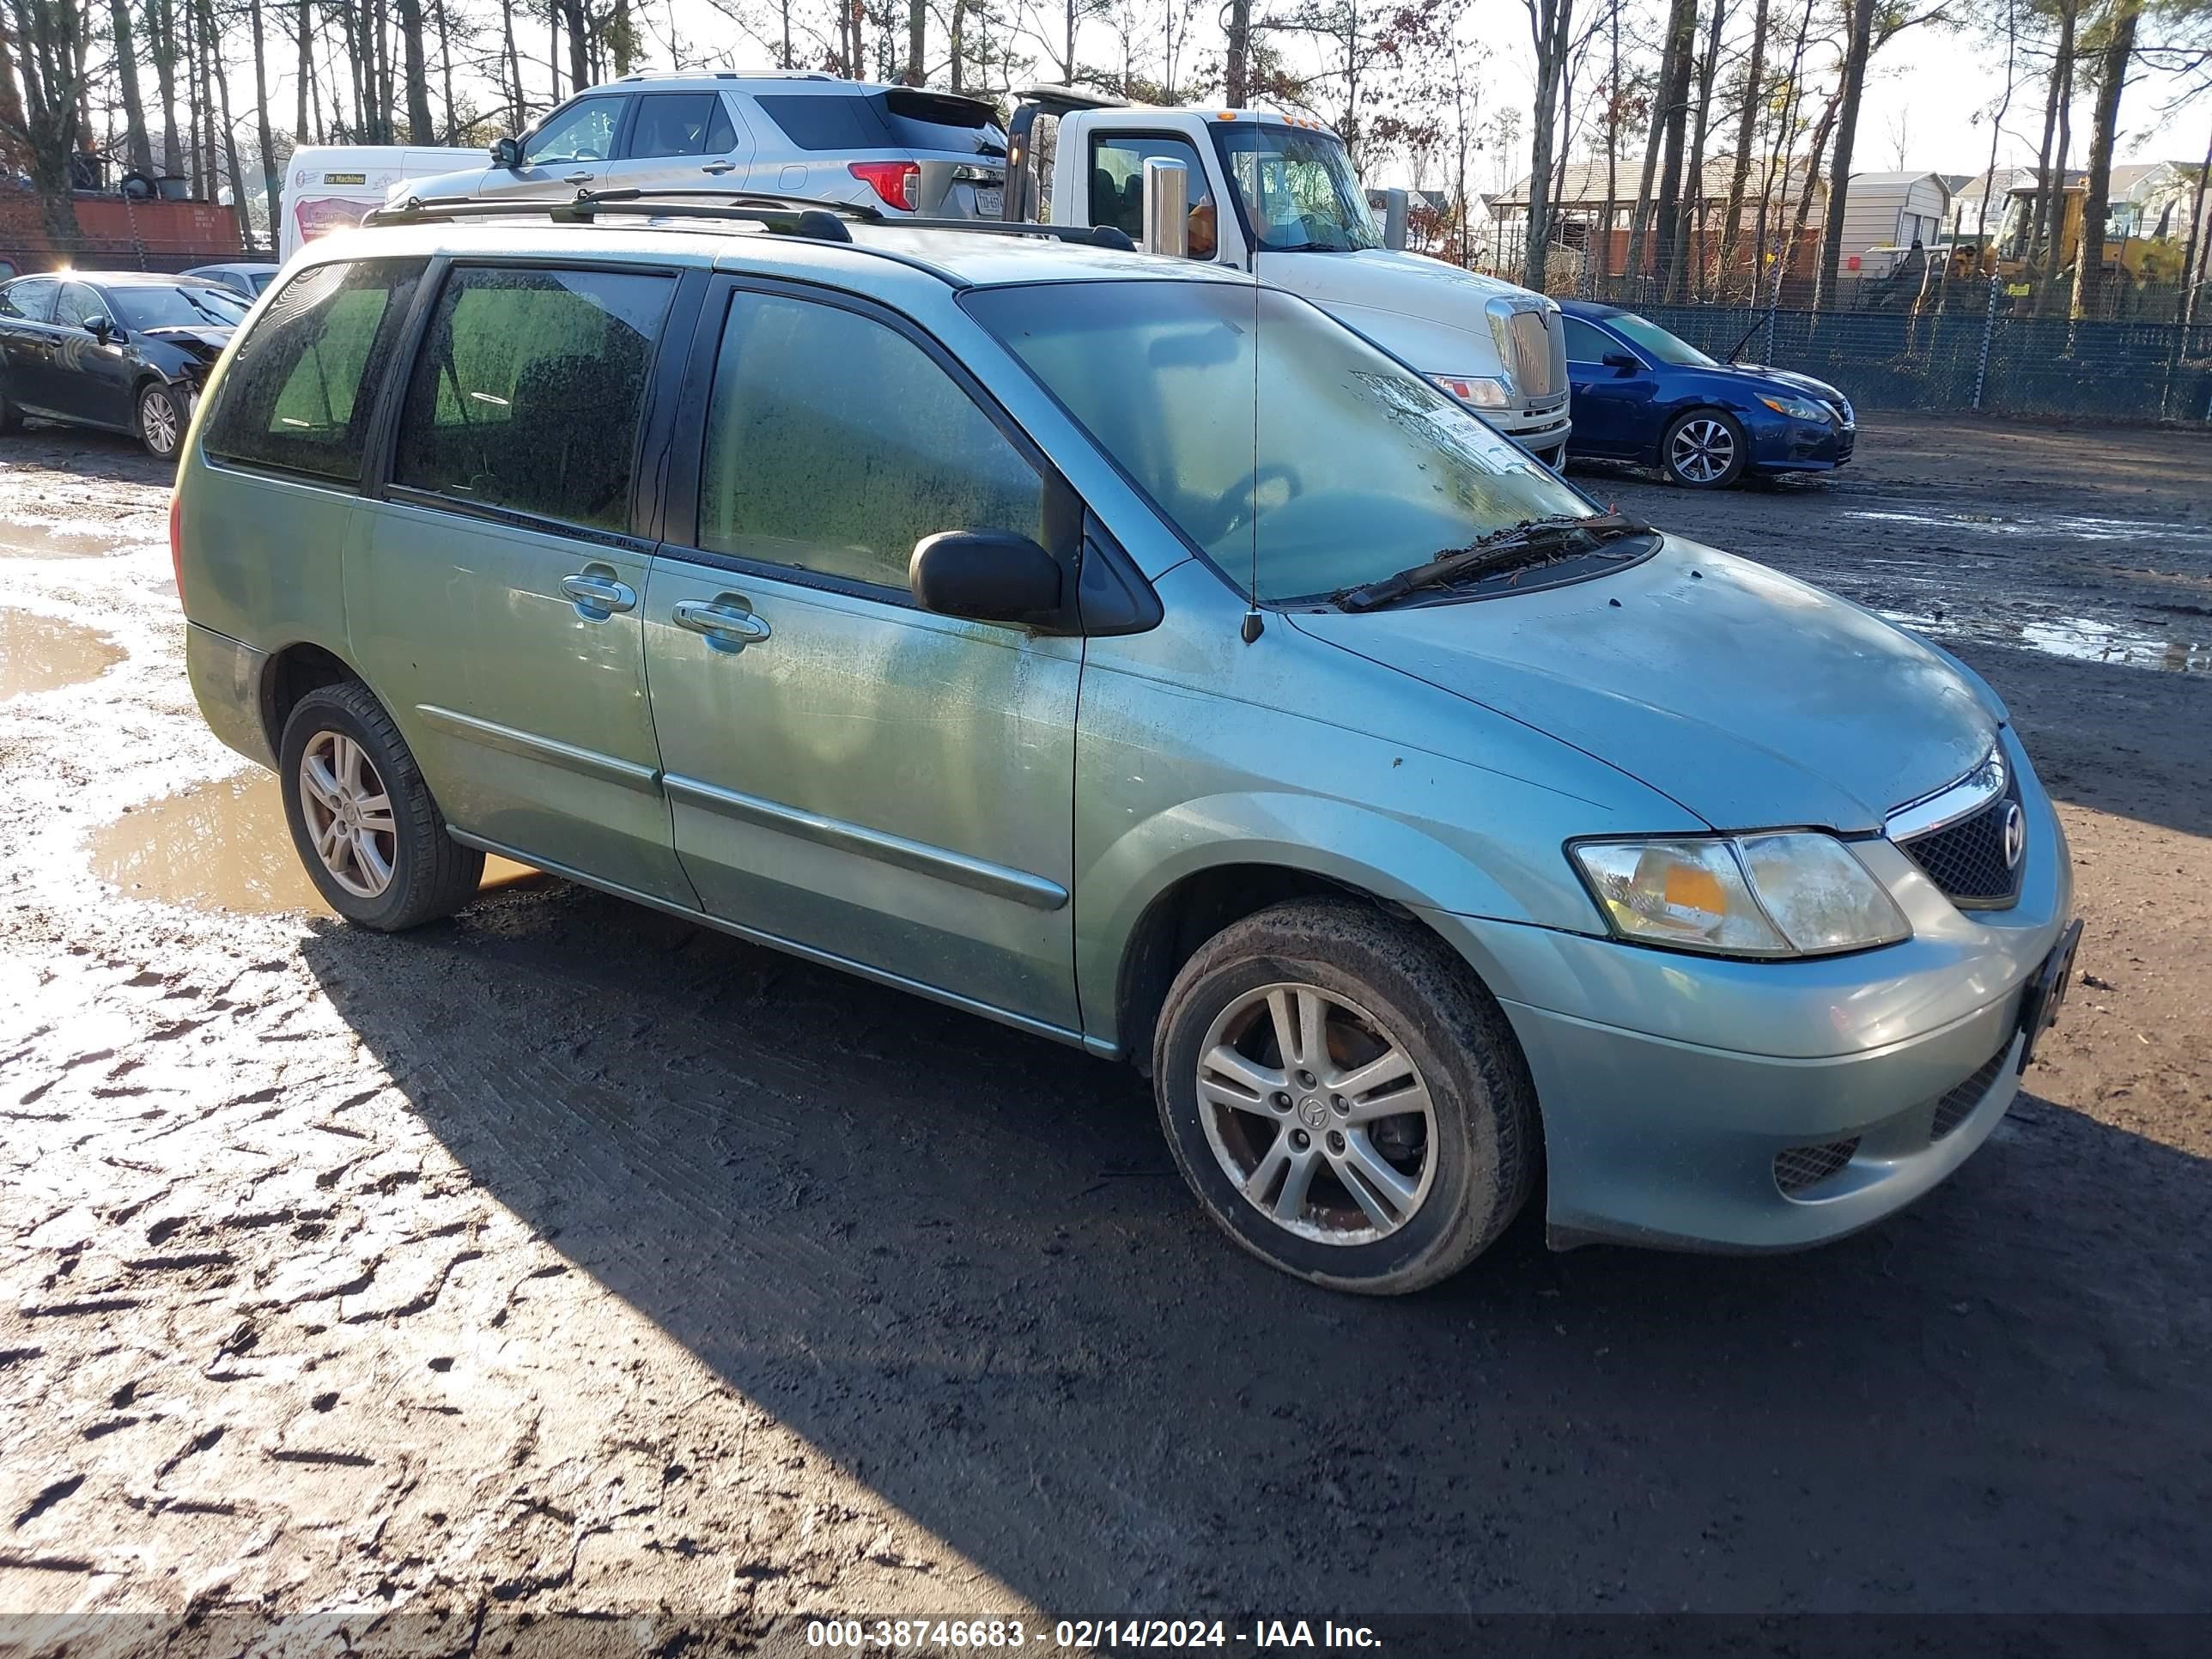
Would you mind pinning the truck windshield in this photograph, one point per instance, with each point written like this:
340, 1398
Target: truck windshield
1280, 444
1297, 188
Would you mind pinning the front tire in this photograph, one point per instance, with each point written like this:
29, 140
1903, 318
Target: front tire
160, 421
1704, 449
1344, 1098
362, 819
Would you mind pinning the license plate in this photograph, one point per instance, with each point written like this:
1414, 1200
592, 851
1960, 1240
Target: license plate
2046, 991
990, 201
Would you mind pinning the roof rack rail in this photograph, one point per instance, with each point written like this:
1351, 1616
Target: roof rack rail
1108, 236
789, 215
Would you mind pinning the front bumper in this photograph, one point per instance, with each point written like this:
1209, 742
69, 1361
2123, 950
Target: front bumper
1539, 430
1787, 445
1670, 1084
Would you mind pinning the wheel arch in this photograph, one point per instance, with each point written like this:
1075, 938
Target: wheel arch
1186, 895
290, 673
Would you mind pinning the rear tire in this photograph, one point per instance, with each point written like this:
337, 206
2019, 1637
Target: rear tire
160, 421
1704, 449
1344, 1099
11, 418
362, 819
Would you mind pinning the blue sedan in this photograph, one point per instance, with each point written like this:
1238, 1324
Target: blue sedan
1643, 396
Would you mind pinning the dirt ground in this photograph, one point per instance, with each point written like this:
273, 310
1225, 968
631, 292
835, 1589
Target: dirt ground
570, 1257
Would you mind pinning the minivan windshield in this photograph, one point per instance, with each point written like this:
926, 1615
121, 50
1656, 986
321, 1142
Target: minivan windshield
1294, 454
1297, 187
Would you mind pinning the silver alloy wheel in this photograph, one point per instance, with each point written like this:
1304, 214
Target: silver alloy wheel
1316, 1114
1703, 449
158, 421
349, 814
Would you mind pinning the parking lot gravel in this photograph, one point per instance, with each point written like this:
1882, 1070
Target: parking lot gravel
569, 1258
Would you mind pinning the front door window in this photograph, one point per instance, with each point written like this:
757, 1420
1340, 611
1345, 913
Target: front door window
585, 132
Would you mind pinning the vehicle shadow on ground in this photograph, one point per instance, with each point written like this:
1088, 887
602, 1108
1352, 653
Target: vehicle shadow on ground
956, 1259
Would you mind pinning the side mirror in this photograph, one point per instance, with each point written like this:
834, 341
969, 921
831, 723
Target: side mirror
99, 328
985, 575
1627, 362
507, 152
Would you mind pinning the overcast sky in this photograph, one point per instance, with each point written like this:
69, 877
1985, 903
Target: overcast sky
1942, 84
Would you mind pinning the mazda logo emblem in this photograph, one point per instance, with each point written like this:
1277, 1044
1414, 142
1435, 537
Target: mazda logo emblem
2015, 835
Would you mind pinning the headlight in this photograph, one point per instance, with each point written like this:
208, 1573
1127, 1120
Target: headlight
1796, 409
1789, 893
1476, 390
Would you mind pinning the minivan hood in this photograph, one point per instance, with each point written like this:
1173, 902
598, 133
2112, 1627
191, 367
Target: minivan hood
1753, 700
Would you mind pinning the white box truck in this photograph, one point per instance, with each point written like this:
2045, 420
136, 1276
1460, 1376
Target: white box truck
330, 187
1276, 195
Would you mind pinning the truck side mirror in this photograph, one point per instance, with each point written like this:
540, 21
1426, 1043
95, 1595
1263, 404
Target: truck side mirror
507, 152
1394, 219
1167, 208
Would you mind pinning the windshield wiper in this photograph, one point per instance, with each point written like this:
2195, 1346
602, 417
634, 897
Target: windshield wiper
1531, 541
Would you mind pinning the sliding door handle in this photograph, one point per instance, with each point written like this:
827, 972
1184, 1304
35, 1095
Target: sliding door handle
727, 625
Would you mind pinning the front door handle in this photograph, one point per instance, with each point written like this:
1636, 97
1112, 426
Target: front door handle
719, 168
599, 596
580, 178
727, 623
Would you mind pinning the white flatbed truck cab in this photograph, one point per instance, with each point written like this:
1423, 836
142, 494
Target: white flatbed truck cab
1296, 216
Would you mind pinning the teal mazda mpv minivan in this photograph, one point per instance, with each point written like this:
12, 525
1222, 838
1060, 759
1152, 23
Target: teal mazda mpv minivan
1130, 653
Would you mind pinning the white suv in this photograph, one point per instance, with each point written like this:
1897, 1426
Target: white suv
899, 149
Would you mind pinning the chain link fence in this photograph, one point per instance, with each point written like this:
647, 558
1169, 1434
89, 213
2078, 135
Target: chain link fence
1956, 360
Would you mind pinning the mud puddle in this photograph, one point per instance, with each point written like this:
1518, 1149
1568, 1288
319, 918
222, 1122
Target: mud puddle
39, 541
2083, 639
37, 653
225, 847
2075, 525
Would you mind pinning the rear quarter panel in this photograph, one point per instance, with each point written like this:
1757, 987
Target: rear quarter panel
262, 557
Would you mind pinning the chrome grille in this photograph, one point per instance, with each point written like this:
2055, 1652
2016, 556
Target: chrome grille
1533, 371
1956, 1107
1967, 858
1808, 1166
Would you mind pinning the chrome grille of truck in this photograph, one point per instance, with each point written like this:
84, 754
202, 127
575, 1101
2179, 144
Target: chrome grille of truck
1533, 368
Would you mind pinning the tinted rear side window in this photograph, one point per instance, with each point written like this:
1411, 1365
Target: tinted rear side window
682, 124
32, 298
529, 390
299, 394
